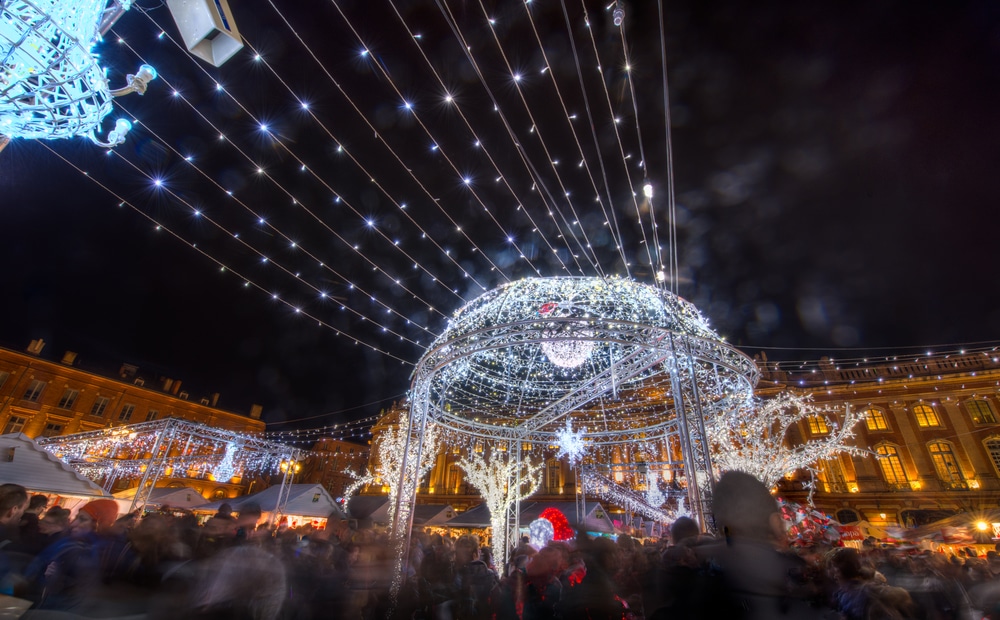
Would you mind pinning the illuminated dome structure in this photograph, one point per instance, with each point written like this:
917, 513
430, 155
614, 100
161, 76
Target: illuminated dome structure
583, 363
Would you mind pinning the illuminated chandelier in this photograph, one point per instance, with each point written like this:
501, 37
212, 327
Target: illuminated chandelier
51, 85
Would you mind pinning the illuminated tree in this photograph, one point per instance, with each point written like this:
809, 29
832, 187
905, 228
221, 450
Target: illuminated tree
755, 439
391, 447
494, 474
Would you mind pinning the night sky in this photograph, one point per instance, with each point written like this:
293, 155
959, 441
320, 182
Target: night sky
834, 167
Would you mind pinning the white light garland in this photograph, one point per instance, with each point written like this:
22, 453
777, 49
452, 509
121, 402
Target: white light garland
491, 472
754, 439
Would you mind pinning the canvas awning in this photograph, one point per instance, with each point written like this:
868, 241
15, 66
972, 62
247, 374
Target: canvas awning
24, 462
177, 497
304, 500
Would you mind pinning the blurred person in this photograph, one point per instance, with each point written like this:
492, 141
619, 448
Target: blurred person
597, 596
13, 503
748, 573
475, 581
66, 572
246, 522
860, 596
28, 526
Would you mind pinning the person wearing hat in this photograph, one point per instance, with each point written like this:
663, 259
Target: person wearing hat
66, 571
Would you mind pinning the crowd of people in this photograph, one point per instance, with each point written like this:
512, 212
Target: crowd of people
167, 565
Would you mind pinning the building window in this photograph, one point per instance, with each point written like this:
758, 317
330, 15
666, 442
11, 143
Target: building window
892, 465
926, 416
151, 415
846, 515
832, 473
993, 447
946, 465
875, 419
51, 430
4, 375
553, 476
100, 405
818, 425
34, 391
219, 494
981, 411
126, 413
15, 424
68, 399
454, 476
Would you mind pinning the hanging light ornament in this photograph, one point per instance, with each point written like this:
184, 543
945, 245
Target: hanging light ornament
51, 85
569, 345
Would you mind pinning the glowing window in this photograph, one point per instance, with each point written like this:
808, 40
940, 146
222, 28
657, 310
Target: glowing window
993, 447
945, 463
981, 411
875, 419
926, 416
891, 464
818, 425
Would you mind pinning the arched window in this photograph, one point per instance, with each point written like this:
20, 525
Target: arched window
926, 416
892, 466
945, 464
993, 449
875, 419
981, 411
846, 515
219, 494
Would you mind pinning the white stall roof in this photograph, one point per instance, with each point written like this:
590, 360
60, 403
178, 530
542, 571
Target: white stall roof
24, 462
305, 500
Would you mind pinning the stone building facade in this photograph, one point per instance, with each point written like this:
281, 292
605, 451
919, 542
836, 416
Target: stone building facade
44, 398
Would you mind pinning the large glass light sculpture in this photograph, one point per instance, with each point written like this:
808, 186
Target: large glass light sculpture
51, 85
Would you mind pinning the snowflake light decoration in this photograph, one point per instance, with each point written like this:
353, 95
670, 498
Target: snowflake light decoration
571, 444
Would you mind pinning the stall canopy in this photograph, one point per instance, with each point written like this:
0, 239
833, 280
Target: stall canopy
369, 510
432, 514
304, 500
963, 527
183, 497
24, 462
595, 518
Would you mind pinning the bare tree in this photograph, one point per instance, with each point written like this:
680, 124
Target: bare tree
494, 473
755, 439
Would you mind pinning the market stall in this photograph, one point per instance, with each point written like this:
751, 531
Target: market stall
306, 504
26, 463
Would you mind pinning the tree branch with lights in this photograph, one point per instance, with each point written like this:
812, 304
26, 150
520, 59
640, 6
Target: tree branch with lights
755, 439
490, 472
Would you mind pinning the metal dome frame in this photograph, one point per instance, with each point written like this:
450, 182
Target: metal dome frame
528, 361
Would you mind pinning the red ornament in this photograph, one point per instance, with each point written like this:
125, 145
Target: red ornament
560, 524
